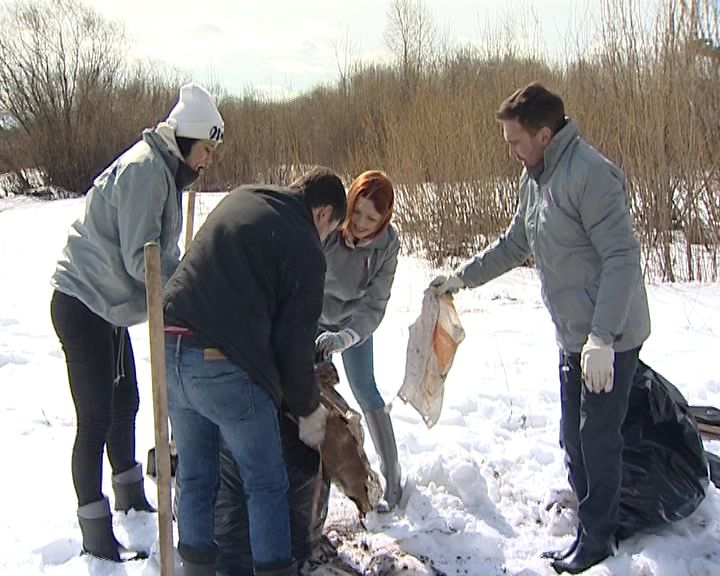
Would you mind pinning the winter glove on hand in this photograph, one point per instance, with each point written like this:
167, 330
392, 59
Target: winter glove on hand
446, 284
330, 342
311, 428
596, 360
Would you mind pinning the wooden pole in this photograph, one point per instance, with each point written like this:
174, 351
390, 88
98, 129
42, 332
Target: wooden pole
153, 283
189, 219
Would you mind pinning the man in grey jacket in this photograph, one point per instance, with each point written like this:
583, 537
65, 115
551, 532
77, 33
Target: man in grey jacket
573, 218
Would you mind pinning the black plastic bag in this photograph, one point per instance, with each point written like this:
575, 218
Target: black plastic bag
308, 496
665, 469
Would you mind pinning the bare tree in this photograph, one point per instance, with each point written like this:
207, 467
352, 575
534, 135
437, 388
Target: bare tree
411, 36
345, 60
59, 61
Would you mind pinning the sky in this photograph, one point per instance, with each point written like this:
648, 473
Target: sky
485, 489
281, 47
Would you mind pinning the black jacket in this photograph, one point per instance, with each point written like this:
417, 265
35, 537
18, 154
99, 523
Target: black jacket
251, 283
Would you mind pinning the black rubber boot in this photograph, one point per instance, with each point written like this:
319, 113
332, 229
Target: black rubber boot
98, 538
582, 558
196, 563
285, 569
383, 437
129, 488
562, 554
192, 569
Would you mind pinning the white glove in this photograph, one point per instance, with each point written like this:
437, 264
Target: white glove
330, 342
446, 284
596, 360
311, 428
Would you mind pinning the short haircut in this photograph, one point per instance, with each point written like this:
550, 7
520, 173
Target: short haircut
322, 187
534, 107
376, 187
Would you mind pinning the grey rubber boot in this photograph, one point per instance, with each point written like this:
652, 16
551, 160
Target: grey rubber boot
98, 539
383, 437
129, 488
286, 570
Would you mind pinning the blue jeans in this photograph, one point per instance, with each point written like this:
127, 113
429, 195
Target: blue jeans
207, 398
358, 362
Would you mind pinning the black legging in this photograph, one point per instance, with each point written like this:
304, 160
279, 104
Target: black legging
101, 371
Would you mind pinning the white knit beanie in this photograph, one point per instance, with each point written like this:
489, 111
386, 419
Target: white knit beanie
196, 116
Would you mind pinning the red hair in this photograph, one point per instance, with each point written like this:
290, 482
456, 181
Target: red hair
376, 187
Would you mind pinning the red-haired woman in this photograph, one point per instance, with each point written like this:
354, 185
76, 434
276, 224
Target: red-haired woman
361, 258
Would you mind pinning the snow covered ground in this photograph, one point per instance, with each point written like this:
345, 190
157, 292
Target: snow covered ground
478, 484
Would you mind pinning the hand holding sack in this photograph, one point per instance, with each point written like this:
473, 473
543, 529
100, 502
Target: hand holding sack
446, 284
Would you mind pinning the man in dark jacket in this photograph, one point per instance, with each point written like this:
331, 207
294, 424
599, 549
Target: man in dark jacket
241, 316
574, 218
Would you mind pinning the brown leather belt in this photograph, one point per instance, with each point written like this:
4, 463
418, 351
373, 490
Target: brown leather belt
184, 336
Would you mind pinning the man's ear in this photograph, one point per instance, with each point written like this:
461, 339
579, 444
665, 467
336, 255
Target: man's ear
324, 213
545, 135
321, 215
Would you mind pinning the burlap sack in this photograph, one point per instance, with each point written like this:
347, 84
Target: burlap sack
434, 338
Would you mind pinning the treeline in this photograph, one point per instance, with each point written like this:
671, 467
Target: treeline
647, 95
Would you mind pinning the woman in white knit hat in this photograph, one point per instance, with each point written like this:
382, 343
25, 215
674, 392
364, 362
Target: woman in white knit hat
100, 290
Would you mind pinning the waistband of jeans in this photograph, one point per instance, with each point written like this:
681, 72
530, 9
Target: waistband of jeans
177, 330
187, 339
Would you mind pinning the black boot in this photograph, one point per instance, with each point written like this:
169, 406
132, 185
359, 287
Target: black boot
584, 556
562, 554
98, 538
383, 437
192, 569
129, 489
284, 569
196, 563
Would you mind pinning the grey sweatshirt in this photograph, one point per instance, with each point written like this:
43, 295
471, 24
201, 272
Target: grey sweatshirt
358, 282
134, 201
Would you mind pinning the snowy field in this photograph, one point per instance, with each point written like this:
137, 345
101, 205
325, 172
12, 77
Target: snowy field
480, 485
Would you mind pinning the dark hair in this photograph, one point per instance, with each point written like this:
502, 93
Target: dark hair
322, 187
534, 107
185, 145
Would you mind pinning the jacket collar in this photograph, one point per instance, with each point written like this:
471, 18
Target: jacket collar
163, 142
554, 151
380, 242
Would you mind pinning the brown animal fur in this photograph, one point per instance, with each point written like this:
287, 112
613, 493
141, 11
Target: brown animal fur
344, 458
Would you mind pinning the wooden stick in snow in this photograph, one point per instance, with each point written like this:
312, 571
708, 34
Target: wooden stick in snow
153, 283
189, 219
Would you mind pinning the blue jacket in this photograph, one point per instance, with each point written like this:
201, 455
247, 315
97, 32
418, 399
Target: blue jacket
575, 221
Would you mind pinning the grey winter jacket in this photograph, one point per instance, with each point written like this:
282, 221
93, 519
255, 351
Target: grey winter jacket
575, 221
134, 201
358, 282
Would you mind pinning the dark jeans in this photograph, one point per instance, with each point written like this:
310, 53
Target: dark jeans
97, 353
590, 432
